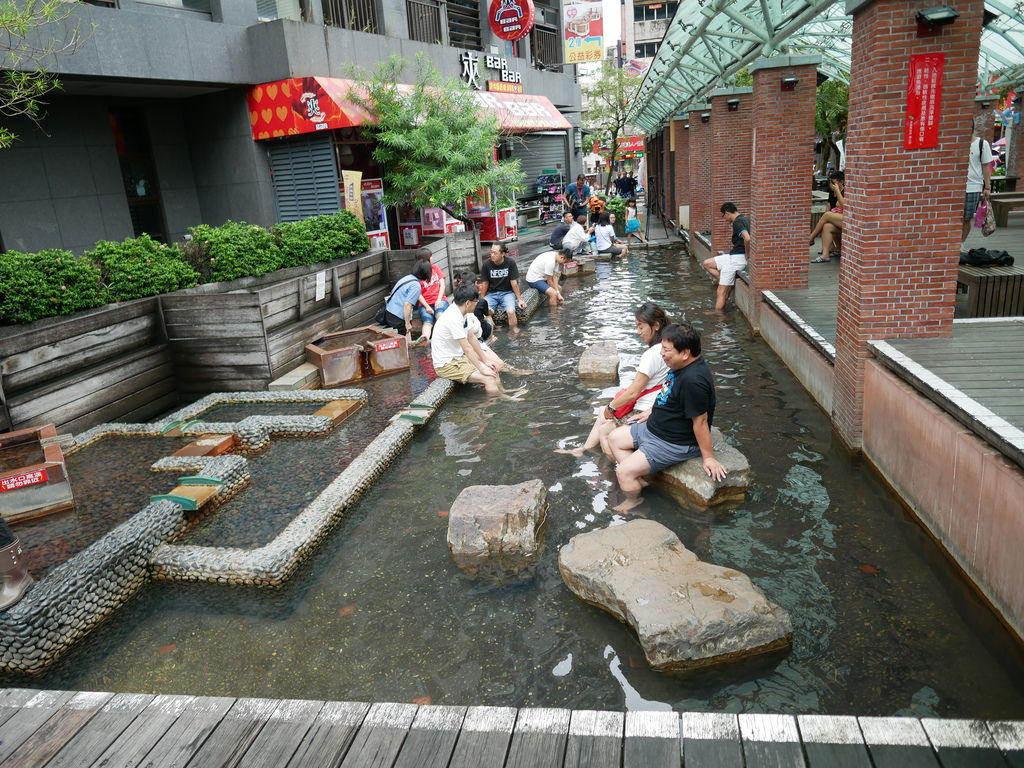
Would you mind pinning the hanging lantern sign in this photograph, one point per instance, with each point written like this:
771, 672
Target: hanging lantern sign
511, 19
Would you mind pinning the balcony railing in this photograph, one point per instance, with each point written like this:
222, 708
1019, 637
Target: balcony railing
426, 21
547, 49
360, 15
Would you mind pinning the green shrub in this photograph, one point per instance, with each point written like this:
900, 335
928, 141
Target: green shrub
140, 266
321, 238
47, 283
232, 250
616, 205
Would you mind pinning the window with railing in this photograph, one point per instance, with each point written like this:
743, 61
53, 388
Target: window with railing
199, 6
547, 49
268, 10
360, 15
652, 11
647, 50
464, 24
426, 21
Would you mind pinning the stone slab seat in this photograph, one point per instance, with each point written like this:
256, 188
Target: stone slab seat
688, 484
687, 613
532, 299
493, 530
600, 362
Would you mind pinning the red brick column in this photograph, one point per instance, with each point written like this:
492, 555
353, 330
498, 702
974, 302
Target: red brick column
897, 277
780, 175
700, 168
731, 132
682, 164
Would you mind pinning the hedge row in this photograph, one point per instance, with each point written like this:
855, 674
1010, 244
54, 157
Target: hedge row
56, 282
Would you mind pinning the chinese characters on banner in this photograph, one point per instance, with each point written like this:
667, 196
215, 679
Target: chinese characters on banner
350, 197
23, 480
924, 95
630, 143
584, 30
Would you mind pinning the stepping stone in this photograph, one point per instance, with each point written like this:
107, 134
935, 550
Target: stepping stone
304, 376
190, 497
492, 529
600, 362
339, 410
587, 266
208, 445
689, 485
570, 269
686, 613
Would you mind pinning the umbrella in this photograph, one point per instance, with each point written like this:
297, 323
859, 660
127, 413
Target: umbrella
1001, 142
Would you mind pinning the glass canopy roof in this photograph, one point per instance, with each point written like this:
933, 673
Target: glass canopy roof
708, 41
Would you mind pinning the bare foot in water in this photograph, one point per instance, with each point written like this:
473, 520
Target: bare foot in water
511, 370
628, 504
577, 452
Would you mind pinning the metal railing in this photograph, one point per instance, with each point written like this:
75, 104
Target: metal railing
426, 21
360, 15
547, 49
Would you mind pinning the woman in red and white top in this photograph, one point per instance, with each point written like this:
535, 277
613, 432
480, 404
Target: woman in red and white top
433, 300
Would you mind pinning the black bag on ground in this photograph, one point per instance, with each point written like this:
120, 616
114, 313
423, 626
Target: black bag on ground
984, 257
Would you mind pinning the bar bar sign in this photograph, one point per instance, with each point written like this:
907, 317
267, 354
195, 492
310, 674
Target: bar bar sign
924, 96
23, 480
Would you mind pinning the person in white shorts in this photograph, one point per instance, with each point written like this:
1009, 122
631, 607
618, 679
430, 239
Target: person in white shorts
724, 266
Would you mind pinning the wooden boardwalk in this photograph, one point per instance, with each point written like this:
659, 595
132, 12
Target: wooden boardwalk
64, 728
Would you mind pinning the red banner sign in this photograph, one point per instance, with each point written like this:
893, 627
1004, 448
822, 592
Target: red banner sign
630, 144
924, 97
384, 346
511, 19
23, 480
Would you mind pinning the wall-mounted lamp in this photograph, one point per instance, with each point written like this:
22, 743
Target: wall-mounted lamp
733, 104
930, 21
789, 83
705, 116
686, 126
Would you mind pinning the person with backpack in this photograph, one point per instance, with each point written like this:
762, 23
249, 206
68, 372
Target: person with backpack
979, 175
404, 297
576, 196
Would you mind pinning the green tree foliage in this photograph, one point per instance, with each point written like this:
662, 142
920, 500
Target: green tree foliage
32, 34
606, 103
435, 144
832, 109
140, 266
51, 282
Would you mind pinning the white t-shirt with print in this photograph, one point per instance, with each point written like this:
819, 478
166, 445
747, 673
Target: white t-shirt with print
975, 179
605, 234
575, 237
651, 364
544, 265
444, 341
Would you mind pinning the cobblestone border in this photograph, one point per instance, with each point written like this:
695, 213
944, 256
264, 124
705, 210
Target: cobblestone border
272, 564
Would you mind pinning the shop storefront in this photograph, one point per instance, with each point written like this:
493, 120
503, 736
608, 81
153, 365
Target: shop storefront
320, 162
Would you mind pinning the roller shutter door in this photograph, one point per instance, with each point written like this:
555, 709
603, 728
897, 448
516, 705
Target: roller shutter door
538, 152
305, 177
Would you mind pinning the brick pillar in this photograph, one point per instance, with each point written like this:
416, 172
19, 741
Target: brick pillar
700, 168
731, 131
671, 206
897, 279
682, 164
780, 177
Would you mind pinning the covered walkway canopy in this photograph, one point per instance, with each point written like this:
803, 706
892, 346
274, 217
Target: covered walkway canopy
709, 41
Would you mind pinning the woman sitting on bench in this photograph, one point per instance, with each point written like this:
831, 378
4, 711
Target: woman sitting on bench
830, 225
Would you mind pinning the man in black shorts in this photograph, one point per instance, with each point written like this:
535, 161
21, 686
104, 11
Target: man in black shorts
677, 427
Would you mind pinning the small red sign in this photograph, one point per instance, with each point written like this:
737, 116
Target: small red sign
384, 346
924, 97
630, 143
23, 480
511, 19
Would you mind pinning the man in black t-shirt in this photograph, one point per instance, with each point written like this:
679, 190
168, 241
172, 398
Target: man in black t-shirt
558, 233
677, 427
724, 266
500, 286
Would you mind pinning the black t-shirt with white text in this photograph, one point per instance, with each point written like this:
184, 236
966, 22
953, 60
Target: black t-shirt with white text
499, 277
740, 225
686, 394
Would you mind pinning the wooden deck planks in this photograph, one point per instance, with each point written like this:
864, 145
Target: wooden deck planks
833, 742
233, 735
710, 739
17, 729
330, 735
380, 737
101, 731
771, 741
1010, 738
652, 740
37, 750
897, 742
133, 744
431, 738
185, 736
595, 739
539, 739
485, 736
963, 743
282, 734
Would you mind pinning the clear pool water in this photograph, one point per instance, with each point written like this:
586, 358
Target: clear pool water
883, 624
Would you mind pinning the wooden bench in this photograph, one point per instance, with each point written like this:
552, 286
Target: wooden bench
1002, 205
993, 291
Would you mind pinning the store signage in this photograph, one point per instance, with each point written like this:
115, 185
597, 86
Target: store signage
351, 184
471, 71
511, 19
497, 86
924, 96
23, 480
374, 212
584, 30
630, 143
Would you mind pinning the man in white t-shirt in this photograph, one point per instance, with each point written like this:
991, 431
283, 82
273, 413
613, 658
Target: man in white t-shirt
979, 175
577, 239
543, 273
455, 352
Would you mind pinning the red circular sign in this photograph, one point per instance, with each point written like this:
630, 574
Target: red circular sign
511, 19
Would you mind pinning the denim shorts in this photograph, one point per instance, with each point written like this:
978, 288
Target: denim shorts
505, 299
660, 454
426, 317
540, 286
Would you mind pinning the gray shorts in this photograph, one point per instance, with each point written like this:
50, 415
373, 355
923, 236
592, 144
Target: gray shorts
659, 453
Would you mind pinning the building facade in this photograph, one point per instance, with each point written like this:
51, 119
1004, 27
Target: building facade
152, 130
644, 24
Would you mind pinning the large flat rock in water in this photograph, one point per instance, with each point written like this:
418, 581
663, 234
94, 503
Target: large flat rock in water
600, 362
688, 483
493, 529
686, 613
